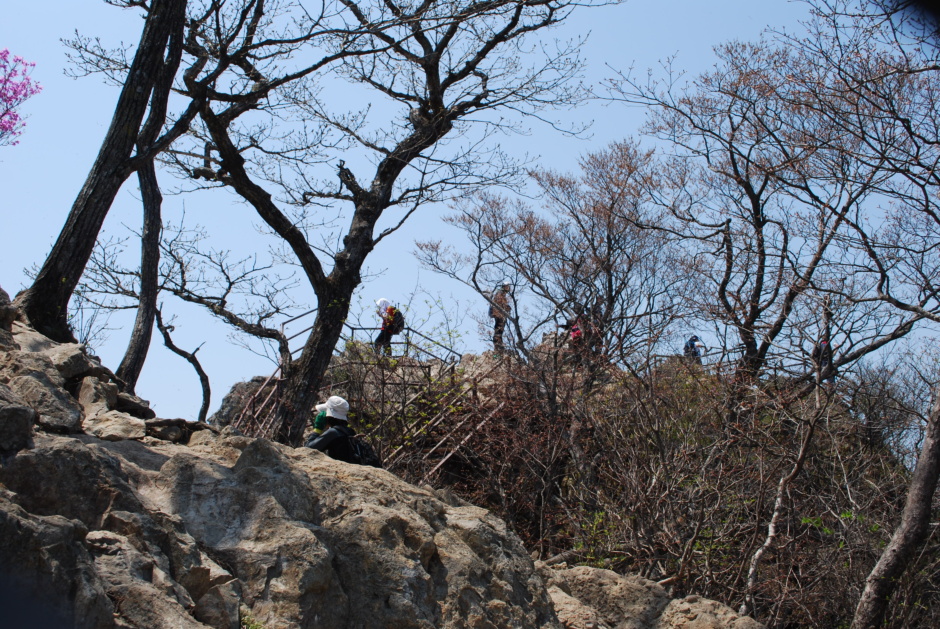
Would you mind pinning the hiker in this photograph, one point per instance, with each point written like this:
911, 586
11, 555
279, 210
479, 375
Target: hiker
393, 322
576, 327
822, 359
339, 441
335, 439
693, 350
499, 311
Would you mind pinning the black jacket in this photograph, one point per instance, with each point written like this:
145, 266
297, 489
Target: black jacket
335, 443
822, 354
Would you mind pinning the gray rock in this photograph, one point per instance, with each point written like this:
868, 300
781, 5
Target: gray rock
96, 397
7, 311
235, 400
146, 593
70, 359
8, 314
115, 426
182, 536
57, 410
219, 606
16, 421
29, 340
16, 426
133, 405
47, 577
167, 433
592, 598
19, 363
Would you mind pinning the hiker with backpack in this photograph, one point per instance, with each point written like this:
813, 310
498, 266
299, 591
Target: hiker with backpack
693, 350
499, 311
339, 441
393, 322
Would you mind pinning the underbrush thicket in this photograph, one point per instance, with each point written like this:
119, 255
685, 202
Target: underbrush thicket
677, 476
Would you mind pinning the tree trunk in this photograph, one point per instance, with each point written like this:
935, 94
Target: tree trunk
910, 533
45, 303
133, 362
301, 390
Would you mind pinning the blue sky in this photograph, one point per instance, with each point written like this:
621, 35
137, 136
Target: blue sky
40, 177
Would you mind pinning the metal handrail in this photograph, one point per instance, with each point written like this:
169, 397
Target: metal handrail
263, 414
463, 442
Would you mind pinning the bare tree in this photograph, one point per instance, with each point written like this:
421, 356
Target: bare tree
763, 213
238, 32
166, 329
879, 62
242, 292
584, 256
435, 65
147, 87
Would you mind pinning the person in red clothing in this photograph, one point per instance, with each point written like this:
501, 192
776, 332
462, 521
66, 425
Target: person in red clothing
392, 323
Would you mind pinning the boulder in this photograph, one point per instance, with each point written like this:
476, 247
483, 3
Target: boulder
235, 400
115, 426
133, 405
306, 541
219, 607
71, 360
144, 592
573, 613
23, 363
117, 528
96, 397
586, 597
16, 421
693, 612
47, 577
29, 340
57, 410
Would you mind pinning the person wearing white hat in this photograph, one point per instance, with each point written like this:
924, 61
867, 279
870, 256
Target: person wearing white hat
335, 440
393, 322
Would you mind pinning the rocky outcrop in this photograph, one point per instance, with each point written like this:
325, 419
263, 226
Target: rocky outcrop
180, 535
126, 521
8, 315
592, 598
235, 400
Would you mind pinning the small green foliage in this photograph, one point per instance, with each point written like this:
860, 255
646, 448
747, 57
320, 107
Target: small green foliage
246, 621
818, 523
814, 521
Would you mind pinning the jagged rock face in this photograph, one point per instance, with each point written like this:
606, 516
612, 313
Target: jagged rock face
171, 531
235, 400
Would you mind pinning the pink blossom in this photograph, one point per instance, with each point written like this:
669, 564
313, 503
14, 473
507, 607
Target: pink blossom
15, 87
